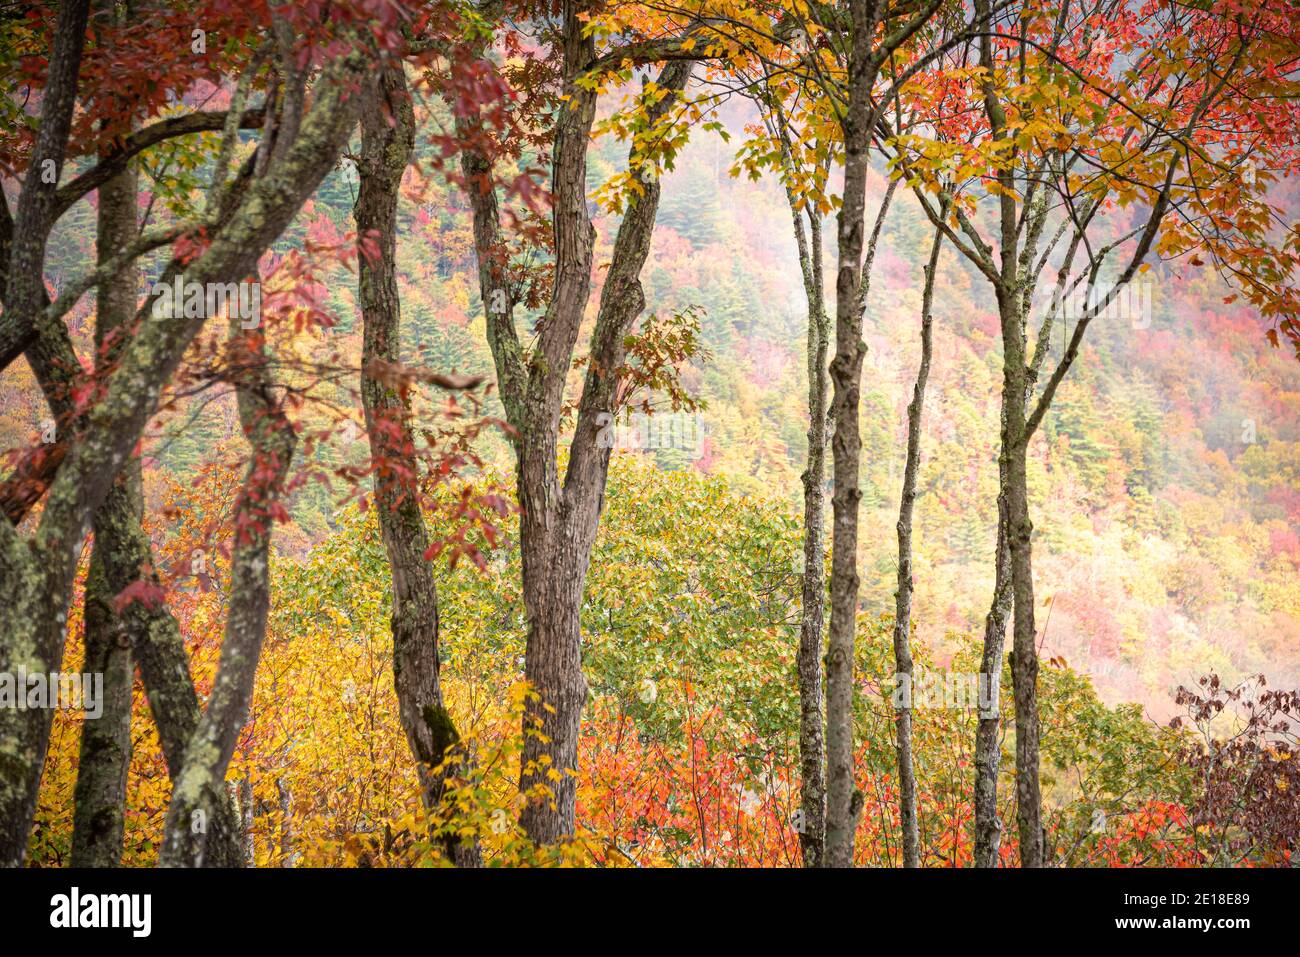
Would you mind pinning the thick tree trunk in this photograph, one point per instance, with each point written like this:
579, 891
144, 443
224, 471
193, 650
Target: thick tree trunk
903, 595
100, 796
387, 140
558, 522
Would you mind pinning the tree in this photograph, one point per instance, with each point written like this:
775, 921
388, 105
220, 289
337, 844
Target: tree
903, 593
560, 514
387, 140
1079, 111
38, 573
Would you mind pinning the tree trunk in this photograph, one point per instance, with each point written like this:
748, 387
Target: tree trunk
558, 522
288, 856
387, 140
1015, 493
27, 643
988, 738
811, 821
903, 595
248, 850
1024, 660
812, 834
100, 796
212, 745
843, 800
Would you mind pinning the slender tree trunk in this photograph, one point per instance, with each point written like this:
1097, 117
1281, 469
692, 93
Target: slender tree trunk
246, 820
210, 748
1018, 529
988, 738
843, 799
812, 835
100, 795
288, 856
1024, 660
811, 822
387, 140
903, 595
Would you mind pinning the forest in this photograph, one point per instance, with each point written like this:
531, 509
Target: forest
612, 434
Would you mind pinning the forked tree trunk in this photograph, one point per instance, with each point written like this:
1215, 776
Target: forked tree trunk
558, 520
558, 525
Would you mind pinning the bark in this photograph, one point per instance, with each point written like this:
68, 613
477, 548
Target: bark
1024, 660
903, 595
988, 738
25, 735
558, 521
25, 287
812, 792
100, 796
246, 820
387, 141
812, 836
207, 755
288, 856
843, 800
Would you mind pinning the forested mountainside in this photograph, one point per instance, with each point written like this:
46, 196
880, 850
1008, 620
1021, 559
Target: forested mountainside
606, 433
1167, 476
